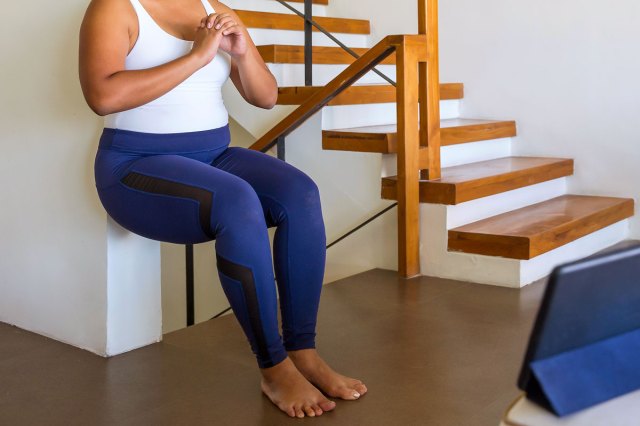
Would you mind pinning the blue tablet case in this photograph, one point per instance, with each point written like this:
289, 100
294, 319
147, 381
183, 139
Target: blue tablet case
585, 344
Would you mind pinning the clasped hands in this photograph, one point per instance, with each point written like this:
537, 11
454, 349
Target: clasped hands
219, 31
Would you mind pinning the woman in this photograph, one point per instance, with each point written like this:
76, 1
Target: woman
164, 170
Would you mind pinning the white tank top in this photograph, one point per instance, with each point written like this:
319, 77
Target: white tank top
195, 104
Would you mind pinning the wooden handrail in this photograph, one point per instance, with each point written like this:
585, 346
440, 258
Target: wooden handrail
322, 97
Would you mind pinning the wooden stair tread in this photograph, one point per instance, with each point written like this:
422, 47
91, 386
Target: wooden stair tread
289, 21
360, 94
467, 182
383, 139
537, 229
293, 54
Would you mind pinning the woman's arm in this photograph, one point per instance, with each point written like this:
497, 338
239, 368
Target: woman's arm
105, 41
249, 73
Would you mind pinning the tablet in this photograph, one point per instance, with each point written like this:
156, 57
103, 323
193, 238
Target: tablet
586, 302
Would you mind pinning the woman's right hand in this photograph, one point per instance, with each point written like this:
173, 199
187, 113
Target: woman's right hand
206, 43
208, 37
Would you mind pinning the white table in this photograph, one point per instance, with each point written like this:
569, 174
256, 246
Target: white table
621, 411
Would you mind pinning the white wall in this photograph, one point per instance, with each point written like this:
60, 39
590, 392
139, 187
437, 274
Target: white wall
397, 17
53, 251
566, 71
65, 271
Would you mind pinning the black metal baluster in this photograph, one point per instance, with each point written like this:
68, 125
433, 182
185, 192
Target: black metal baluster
280, 145
190, 285
308, 44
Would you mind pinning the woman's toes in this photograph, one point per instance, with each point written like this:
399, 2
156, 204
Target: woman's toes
290, 412
347, 393
309, 411
299, 413
317, 410
327, 405
360, 388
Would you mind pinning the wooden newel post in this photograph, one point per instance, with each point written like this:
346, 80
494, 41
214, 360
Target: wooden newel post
418, 85
429, 75
408, 160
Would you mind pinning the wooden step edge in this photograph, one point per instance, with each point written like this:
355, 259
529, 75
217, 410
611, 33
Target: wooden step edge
477, 132
438, 192
321, 55
526, 248
386, 143
497, 184
289, 21
363, 94
383, 143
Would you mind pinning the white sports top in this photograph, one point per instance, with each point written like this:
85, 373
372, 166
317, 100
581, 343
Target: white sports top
194, 105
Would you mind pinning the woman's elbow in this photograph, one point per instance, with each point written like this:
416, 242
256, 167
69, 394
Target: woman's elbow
268, 102
99, 109
101, 105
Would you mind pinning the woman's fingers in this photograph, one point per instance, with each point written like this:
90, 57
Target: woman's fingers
210, 19
216, 20
233, 28
220, 19
221, 23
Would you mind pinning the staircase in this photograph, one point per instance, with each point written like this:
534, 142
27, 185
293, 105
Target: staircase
490, 217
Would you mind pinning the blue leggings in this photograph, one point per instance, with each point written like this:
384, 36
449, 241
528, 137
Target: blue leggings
192, 187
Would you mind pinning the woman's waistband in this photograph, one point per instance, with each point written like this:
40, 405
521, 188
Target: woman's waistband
164, 143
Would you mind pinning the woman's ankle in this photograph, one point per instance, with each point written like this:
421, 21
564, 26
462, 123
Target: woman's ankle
283, 367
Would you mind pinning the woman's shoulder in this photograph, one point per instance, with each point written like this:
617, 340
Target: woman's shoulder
220, 7
114, 10
108, 20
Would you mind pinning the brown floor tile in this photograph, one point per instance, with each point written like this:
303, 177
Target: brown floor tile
431, 351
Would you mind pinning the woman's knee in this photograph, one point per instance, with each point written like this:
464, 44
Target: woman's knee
302, 191
238, 206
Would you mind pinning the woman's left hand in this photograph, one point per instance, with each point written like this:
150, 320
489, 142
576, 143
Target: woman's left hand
234, 40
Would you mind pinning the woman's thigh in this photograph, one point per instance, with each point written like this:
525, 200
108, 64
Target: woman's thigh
281, 187
180, 200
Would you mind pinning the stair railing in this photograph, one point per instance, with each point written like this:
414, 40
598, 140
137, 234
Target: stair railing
418, 120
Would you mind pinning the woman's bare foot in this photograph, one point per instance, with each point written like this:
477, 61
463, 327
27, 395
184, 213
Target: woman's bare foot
287, 388
318, 372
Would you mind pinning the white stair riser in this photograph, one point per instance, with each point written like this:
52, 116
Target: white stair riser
458, 154
541, 266
436, 261
437, 219
293, 74
464, 153
262, 36
349, 116
273, 6
483, 208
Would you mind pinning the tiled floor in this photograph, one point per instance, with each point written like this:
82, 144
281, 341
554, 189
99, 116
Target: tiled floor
431, 351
